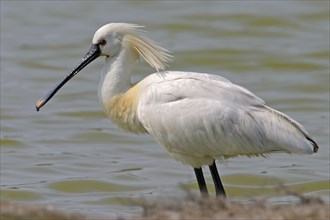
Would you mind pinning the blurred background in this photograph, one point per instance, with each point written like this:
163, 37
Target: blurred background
71, 156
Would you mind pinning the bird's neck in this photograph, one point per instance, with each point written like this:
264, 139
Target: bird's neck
116, 74
116, 93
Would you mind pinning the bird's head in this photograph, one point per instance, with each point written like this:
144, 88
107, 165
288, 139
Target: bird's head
109, 38
113, 37
109, 41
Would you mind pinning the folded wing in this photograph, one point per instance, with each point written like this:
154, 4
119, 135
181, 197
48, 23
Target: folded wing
201, 115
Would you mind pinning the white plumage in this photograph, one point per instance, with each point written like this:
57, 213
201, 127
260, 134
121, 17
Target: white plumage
197, 117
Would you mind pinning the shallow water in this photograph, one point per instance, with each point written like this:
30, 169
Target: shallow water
72, 157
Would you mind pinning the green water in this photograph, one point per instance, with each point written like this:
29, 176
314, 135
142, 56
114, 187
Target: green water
72, 157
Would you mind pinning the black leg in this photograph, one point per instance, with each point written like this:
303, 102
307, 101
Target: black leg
201, 181
220, 191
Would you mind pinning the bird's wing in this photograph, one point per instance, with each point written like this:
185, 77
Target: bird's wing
199, 115
174, 85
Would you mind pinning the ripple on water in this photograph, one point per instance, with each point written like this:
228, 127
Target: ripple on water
88, 185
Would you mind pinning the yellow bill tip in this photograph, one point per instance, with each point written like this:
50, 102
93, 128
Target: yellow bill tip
40, 103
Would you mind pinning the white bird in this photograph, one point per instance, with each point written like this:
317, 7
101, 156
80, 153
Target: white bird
196, 117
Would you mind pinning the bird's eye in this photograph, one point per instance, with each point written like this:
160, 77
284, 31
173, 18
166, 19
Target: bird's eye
102, 42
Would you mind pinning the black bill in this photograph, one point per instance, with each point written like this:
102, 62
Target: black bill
93, 53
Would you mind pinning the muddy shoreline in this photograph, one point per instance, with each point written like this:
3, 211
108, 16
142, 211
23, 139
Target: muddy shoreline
189, 208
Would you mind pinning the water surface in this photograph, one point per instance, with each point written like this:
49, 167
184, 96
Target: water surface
72, 157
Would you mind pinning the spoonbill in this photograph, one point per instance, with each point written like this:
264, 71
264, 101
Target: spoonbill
196, 117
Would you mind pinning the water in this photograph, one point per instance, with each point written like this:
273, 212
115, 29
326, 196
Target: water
72, 157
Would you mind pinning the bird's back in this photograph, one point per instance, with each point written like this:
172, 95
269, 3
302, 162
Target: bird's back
198, 117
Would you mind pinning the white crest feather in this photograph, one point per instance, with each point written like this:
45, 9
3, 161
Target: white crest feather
155, 55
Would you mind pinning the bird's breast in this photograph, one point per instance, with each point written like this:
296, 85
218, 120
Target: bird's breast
122, 109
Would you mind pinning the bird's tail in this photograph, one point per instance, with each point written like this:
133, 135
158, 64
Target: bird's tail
297, 125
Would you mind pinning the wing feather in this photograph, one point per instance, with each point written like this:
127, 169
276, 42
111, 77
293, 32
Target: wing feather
199, 117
